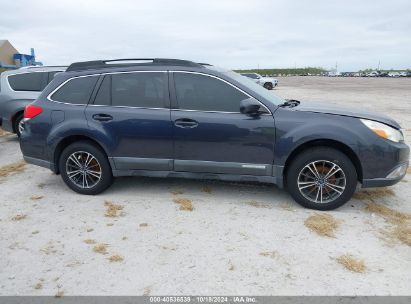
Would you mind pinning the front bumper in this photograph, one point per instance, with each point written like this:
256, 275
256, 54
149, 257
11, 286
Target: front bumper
387, 181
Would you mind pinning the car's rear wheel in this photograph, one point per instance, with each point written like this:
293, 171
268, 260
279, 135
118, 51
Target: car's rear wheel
85, 168
321, 178
268, 85
18, 124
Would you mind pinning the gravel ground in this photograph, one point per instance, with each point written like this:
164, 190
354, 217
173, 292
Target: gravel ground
237, 239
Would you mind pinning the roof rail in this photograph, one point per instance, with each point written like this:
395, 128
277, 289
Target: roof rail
98, 64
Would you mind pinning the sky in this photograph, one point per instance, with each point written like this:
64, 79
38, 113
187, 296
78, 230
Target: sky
232, 34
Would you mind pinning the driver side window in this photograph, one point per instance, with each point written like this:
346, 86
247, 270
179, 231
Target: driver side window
205, 93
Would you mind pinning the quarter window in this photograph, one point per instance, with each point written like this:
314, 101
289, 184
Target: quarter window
204, 93
33, 82
76, 91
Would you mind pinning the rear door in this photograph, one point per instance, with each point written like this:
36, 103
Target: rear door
210, 133
132, 110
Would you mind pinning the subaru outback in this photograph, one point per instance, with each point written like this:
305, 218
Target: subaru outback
177, 118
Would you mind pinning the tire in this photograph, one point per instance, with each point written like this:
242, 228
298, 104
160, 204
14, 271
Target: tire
17, 126
98, 176
268, 85
306, 178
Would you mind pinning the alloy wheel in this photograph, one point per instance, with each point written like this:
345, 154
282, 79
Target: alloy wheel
321, 181
83, 169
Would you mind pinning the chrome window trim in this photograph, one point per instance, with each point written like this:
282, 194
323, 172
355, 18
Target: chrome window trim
152, 71
25, 72
229, 83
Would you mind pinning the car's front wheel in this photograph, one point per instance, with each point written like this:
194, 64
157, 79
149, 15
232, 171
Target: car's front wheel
321, 178
85, 168
268, 85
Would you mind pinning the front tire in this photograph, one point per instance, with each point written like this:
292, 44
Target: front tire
321, 178
85, 168
268, 85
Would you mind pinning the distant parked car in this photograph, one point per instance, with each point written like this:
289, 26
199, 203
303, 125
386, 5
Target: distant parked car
267, 82
403, 74
18, 88
372, 74
394, 74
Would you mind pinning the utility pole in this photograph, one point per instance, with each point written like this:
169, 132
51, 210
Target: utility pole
378, 65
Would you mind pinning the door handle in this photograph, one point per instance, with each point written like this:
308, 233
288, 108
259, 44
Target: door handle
102, 117
185, 123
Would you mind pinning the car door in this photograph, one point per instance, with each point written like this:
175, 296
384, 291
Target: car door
132, 110
210, 133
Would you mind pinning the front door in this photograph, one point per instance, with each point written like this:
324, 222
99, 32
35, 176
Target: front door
210, 133
132, 110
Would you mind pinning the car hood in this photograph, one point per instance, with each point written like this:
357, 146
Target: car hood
345, 111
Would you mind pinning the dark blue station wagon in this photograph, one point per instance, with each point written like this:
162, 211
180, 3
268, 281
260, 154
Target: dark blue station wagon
177, 118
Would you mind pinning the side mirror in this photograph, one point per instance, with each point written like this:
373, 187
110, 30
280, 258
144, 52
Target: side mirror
250, 106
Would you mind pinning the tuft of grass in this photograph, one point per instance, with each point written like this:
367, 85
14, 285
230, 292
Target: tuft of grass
177, 192
185, 204
403, 233
3, 133
143, 225
90, 230
371, 195
89, 241
116, 258
35, 232
206, 189
269, 254
100, 248
322, 224
351, 263
259, 204
38, 286
112, 209
409, 170
147, 291
390, 215
19, 217
36, 197
232, 267
15, 167
59, 294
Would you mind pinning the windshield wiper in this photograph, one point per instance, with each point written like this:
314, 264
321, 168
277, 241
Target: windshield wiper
290, 103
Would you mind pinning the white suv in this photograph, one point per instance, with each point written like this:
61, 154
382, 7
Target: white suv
267, 82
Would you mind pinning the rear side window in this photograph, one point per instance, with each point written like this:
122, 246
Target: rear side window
34, 82
143, 89
204, 93
76, 91
103, 96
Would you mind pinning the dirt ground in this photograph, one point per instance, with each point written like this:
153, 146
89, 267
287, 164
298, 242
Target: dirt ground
182, 237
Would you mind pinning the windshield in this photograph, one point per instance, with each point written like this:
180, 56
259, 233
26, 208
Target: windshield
245, 81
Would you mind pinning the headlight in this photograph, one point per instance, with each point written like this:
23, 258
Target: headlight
383, 130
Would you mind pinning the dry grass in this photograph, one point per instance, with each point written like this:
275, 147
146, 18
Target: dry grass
89, 241
259, 205
371, 195
269, 254
3, 133
59, 294
38, 286
177, 192
206, 189
232, 267
403, 233
36, 197
19, 217
116, 258
185, 203
90, 230
100, 248
112, 209
409, 170
147, 291
351, 263
15, 167
322, 224
143, 225
390, 215
35, 232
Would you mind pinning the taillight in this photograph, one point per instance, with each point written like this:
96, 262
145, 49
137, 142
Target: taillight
32, 111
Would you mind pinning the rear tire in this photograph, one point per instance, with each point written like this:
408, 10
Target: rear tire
321, 178
85, 168
18, 124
